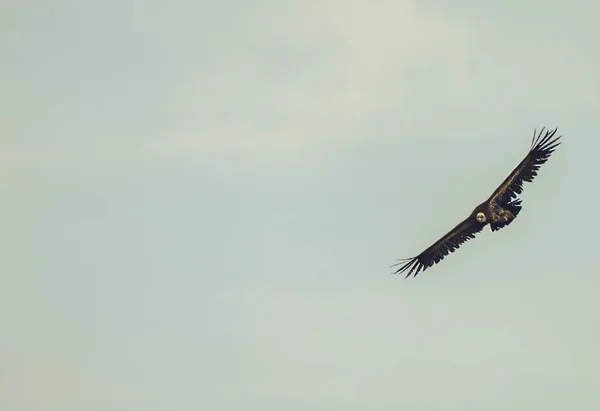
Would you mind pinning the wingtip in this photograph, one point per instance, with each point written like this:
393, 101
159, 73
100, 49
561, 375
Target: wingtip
538, 141
409, 264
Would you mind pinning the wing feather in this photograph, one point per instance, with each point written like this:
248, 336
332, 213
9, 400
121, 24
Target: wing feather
464, 231
541, 148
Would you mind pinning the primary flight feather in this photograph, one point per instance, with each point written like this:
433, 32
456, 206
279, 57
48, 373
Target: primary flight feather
499, 210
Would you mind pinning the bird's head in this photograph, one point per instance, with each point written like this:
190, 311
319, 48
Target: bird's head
480, 217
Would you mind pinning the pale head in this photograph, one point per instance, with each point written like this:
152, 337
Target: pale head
480, 217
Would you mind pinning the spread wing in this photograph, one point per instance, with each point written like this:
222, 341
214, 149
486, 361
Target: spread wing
464, 231
541, 148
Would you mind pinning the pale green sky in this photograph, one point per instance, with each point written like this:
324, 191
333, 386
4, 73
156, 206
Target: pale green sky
201, 204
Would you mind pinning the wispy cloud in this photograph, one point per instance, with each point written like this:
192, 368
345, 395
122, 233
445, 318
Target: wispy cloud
311, 77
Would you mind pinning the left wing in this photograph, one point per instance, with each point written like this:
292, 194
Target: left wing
464, 231
540, 151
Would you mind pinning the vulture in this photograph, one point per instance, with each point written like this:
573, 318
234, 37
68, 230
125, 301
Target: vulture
499, 210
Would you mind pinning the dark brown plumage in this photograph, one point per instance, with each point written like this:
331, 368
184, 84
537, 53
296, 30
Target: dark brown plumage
499, 210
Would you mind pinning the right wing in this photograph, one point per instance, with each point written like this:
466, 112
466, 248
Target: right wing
464, 231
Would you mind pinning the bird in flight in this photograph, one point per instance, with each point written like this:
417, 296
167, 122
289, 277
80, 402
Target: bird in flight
499, 210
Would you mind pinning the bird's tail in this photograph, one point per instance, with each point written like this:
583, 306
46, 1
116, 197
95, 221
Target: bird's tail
514, 206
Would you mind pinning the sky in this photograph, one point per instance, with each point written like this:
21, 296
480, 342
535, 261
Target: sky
202, 201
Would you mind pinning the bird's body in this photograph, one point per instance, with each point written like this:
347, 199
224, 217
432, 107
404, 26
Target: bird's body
498, 214
499, 210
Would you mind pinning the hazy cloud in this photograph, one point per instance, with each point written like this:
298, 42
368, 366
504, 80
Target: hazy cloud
201, 202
